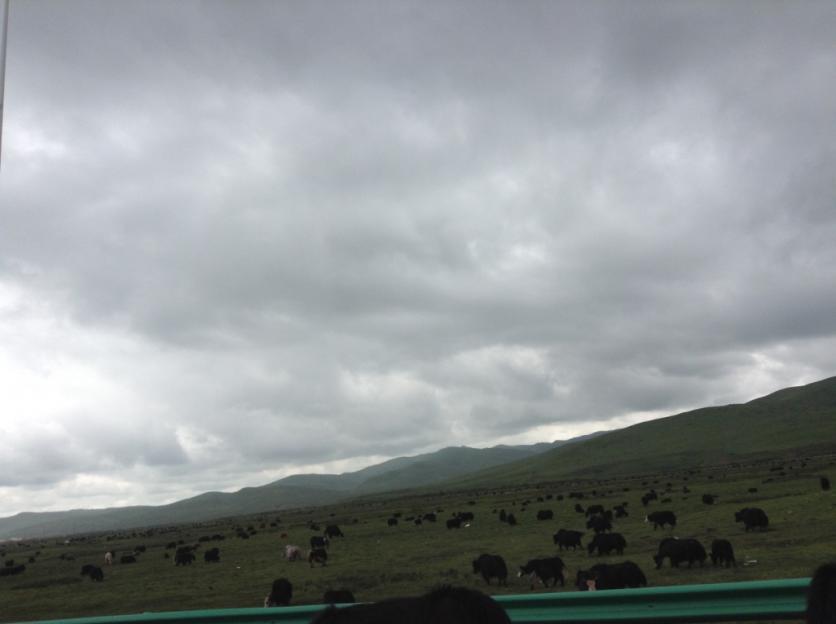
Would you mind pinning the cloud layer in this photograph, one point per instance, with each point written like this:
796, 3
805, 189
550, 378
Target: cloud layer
239, 241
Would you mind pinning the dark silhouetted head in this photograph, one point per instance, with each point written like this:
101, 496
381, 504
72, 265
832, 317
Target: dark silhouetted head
821, 596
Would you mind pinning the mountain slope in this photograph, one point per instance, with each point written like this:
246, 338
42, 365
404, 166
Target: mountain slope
429, 470
207, 506
800, 419
446, 463
293, 491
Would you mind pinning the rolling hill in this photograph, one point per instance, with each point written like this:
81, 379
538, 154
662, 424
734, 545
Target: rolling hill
798, 420
303, 490
198, 508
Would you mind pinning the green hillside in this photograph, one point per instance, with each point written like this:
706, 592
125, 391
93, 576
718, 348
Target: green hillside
295, 491
207, 506
800, 419
452, 462
337, 483
445, 464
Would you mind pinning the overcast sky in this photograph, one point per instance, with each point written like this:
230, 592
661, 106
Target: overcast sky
244, 239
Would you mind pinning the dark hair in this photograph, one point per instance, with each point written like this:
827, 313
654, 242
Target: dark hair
280, 593
443, 605
821, 596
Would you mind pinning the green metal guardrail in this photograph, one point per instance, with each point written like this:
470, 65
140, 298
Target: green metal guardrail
718, 602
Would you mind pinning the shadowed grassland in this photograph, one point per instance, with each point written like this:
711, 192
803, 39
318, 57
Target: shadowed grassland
376, 561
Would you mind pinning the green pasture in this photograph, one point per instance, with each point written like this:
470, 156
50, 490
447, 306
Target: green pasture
376, 561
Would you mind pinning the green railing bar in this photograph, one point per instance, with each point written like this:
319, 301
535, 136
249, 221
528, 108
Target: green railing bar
717, 602
251, 615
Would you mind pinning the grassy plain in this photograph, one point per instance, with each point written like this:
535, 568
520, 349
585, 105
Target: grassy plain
377, 561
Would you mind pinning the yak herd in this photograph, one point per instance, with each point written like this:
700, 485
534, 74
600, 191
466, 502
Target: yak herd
604, 541
604, 535
549, 571
546, 571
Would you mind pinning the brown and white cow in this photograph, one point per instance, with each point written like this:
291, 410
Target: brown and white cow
292, 553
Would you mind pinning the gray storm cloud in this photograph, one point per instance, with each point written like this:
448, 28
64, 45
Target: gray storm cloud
238, 240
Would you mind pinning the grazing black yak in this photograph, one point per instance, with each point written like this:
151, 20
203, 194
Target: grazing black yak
599, 524
605, 543
94, 572
183, 556
12, 570
610, 576
722, 552
491, 566
679, 550
544, 569
752, 518
594, 509
332, 530
318, 555
565, 538
661, 518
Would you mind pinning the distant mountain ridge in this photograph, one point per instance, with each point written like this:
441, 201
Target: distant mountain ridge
301, 490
